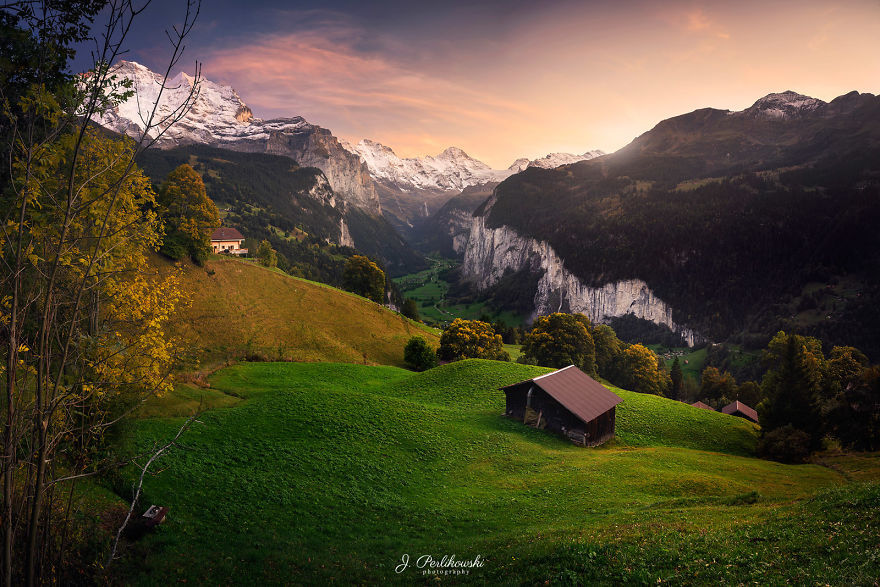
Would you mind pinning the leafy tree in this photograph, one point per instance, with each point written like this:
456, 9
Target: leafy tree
608, 349
364, 278
717, 387
677, 378
749, 393
559, 340
266, 255
851, 400
419, 354
471, 339
637, 370
792, 385
411, 309
190, 216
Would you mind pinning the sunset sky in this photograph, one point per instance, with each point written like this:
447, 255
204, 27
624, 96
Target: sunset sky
504, 80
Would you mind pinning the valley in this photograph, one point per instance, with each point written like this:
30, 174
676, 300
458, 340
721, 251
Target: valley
388, 315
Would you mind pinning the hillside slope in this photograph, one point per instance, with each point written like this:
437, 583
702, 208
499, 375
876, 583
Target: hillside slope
239, 309
331, 472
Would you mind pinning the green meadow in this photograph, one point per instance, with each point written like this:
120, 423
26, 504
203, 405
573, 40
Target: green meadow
325, 472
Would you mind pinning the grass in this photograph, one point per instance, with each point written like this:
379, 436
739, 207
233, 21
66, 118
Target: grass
428, 289
240, 309
320, 473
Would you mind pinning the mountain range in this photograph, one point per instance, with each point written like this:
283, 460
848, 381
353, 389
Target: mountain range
715, 224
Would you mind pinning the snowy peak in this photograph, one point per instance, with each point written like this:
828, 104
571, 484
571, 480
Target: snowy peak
220, 118
783, 105
450, 170
554, 160
217, 110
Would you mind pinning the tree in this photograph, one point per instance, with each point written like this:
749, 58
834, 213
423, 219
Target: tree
717, 387
851, 399
471, 339
559, 340
190, 216
792, 385
677, 378
266, 255
637, 370
419, 354
608, 349
411, 309
81, 318
364, 278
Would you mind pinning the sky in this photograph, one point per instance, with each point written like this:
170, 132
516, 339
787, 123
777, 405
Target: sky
504, 80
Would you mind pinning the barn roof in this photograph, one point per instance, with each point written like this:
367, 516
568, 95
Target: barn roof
579, 393
702, 406
226, 233
737, 406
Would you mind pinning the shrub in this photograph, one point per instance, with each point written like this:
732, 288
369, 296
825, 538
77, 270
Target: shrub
786, 445
419, 354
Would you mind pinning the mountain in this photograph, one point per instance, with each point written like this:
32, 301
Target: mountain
554, 160
413, 189
717, 224
451, 170
219, 118
270, 197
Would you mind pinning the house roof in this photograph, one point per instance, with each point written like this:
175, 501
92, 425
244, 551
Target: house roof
226, 233
579, 393
702, 406
737, 406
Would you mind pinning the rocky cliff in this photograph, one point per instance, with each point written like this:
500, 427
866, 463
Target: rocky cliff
489, 252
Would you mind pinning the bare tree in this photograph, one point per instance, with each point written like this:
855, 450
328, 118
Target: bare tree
81, 323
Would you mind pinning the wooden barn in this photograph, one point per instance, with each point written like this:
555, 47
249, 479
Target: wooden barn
739, 409
702, 406
567, 401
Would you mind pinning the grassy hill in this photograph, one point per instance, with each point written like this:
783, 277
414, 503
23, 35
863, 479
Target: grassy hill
325, 473
239, 309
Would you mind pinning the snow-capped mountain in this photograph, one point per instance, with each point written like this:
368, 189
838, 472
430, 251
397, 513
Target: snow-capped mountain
218, 117
783, 105
554, 160
451, 170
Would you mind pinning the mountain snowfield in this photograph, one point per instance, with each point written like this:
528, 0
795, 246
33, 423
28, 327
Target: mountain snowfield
451, 170
217, 114
553, 160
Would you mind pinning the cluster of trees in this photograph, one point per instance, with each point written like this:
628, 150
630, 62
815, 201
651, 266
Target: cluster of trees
804, 397
559, 340
82, 318
808, 396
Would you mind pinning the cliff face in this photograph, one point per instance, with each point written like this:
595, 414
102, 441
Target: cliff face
489, 252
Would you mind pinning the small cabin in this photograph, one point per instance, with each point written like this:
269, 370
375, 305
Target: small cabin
702, 406
227, 240
568, 402
740, 410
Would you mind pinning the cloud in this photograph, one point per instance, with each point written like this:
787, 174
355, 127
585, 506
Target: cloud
334, 74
